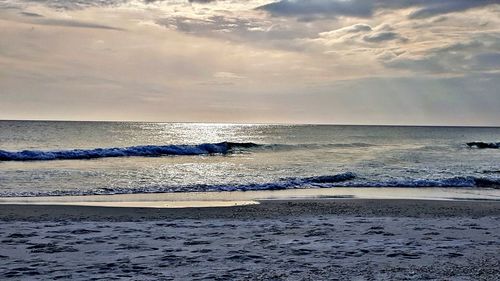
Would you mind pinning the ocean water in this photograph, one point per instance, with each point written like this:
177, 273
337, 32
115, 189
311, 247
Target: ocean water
39, 158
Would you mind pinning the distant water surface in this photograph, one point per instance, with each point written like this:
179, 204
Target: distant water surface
74, 158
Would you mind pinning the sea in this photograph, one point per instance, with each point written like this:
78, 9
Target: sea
53, 158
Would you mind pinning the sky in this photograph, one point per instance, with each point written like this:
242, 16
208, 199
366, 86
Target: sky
408, 62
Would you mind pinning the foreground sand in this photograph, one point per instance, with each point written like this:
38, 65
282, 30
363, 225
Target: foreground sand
344, 239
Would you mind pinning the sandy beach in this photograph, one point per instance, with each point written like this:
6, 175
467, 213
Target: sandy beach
250, 140
313, 239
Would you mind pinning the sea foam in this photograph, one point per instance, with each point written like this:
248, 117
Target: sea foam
347, 179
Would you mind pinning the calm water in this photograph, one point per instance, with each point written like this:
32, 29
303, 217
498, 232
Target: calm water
167, 157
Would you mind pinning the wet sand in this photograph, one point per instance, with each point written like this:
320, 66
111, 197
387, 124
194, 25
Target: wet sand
313, 239
269, 209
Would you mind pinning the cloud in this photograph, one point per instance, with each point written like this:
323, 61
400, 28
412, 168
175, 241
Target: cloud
75, 23
227, 61
481, 54
76, 5
305, 9
433, 8
423, 64
227, 75
37, 19
487, 60
212, 24
190, 1
367, 8
358, 28
345, 33
355, 8
29, 14
251, 30
359, 36
381, 36
201, 1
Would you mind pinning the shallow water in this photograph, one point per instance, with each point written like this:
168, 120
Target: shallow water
166, 157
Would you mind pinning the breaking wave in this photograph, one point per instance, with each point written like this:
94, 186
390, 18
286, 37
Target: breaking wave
483, 145
459, 181
161, 150
143, 150
347, 179
286, 183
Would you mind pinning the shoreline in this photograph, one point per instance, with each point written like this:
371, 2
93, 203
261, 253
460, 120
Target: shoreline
240, 198
385, 202
267, 209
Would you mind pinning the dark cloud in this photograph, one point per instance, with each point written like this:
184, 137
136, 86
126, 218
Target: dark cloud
428, 64
82, 4
355, 8
311, 9
201, 1
190, 1
381, 36
74, 23
358, 28
77, 4
488, 60
478, 55
31, 14
435, 8
366, 8
238, 29
213, 24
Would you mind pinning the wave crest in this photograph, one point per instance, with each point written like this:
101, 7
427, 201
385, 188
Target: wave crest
347, 179
143, 150
458, 181
483, 145
288, 183
163, 150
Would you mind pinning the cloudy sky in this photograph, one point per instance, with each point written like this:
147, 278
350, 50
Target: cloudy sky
286, 61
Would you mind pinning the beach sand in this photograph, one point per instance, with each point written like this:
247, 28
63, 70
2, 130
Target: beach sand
303, 239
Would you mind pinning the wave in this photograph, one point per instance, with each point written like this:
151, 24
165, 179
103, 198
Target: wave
491, 171
347, 179
459, 181
161, 150
316, 146
143, 150
483, 145
287, 183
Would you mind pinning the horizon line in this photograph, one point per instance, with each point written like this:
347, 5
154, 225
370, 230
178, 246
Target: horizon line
252, 123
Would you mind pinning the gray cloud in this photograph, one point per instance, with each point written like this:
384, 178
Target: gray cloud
201, 1
311, 9
424, 64
82, 4
443, 7
366, 8
78, 4
381, 36
355, 8
244, 30
477, 55
28, 14
38, 19
488, 60
212, 24
74, 23
358, 28
459, 47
